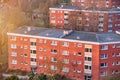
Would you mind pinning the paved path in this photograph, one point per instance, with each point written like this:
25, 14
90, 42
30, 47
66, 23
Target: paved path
19, 76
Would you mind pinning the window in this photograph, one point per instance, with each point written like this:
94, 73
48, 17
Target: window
40, 41
53, 67
33, 43
53, 42
117, 54
110, 30
40, 57
44, 49
65, 44
88, 59
52, 21
53, 51
88, 50
13, 38
25, 47
45, 57
79, 53
64, 52
53, 11
102, 65
113, 72
110, 25
113, 54
103, 73
40, 49
33, 59
110, 14
118, 46
113, 63
21, 38
103, 47
74, 53
53, 59
33, 51
117, 63
116, 71
13, 54
78, 71
25, 63
25, 39
65, 13
88, 67
113, 46
88, 77
103, 56
110, 20
41, 65
79, 45
65, 61
25, 55
65, 69
13, 46
78, 62
14, 62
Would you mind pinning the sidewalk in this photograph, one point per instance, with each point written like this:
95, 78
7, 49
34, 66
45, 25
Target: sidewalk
19, 76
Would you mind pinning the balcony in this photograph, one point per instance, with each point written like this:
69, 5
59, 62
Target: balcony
65, 22
32, 47
87, 71
101, 19
32, 55
88, 62
65, 17
100, 25
100, 29
88, 54
33, 63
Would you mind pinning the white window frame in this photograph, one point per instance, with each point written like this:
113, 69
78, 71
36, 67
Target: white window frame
13, 46
13, 54
65, 52
13, 61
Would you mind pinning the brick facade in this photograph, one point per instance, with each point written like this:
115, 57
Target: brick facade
87, 20
82, 60
96, 3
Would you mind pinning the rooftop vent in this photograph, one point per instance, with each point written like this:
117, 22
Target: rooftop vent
61, 6
117, 32
66, 32
28, 28
118, 7
25, 32
77, 37
47, 34
109, 38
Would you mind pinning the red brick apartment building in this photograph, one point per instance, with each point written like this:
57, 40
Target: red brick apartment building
88, 18
96, 3
77, 54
